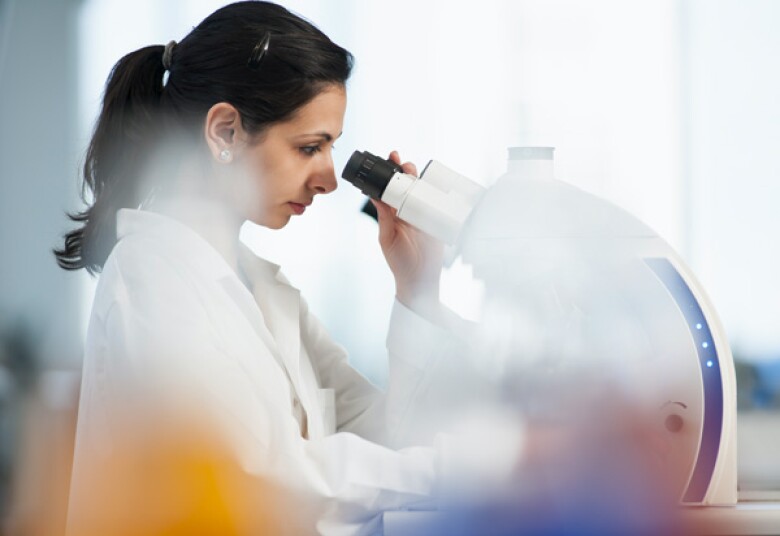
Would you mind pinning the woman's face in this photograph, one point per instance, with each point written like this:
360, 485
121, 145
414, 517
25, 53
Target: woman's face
292, 161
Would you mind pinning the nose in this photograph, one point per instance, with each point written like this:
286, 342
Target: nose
323, 181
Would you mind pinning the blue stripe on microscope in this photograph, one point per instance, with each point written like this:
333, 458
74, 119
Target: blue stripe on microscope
710, 373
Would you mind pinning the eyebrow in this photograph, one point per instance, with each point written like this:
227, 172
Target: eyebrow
327, 136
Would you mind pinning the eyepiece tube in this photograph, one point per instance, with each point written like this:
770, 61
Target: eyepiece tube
439, 206
370, 173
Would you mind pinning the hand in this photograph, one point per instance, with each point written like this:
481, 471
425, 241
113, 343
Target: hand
414, 257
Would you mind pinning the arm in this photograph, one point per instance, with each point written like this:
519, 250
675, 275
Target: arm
413, 344
415, 337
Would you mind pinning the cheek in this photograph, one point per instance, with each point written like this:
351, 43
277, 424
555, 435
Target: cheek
266, 193
257, 175
248, 184
272, 175
244, 188
281, 179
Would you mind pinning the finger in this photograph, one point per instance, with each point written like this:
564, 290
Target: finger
383, 209
386, 219
382, 205
406, 167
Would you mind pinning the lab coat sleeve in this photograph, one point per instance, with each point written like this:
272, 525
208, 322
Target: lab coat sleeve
361, 408
360, 405
163, 356
414, 346
482, 453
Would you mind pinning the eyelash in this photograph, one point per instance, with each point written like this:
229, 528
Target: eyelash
311, 150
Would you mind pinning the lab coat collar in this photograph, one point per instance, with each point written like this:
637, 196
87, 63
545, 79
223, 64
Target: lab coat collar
275, 313
258, 270
280, 304
186, 241
178, 238
277, 300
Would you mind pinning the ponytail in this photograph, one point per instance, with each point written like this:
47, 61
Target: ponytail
126, 130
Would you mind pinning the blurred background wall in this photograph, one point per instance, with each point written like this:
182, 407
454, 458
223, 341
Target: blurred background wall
41, 326
669, 108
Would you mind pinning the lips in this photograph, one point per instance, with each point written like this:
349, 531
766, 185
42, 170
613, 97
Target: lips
299, 208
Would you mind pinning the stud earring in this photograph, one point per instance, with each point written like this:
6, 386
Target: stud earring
224, 155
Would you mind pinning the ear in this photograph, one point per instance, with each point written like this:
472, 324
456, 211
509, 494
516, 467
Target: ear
222, 129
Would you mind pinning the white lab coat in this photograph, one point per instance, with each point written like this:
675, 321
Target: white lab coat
168, 306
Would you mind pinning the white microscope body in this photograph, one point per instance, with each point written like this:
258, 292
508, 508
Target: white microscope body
532, 236
531, 230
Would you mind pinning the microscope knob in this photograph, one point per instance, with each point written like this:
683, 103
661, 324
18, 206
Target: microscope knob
674, 423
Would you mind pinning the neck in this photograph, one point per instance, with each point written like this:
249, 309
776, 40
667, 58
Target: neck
213, 220
189, 195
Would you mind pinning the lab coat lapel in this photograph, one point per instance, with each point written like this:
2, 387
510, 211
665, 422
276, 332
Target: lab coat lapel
254, 316
284, 323
279, 303
286, 328
272, 309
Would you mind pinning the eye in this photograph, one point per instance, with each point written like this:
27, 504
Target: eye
310, 150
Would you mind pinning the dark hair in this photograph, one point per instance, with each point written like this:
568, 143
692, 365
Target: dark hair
216, 62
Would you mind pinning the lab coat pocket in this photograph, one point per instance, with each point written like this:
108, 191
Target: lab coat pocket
327, 402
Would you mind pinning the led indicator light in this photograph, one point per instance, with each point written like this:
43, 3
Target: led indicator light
698, 326
710, 363
705, 345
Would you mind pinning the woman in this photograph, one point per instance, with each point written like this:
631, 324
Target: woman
234, 123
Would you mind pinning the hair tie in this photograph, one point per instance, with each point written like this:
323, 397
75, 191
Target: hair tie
168, 55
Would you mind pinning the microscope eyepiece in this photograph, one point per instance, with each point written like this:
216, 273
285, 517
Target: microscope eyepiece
370, 173
438, 202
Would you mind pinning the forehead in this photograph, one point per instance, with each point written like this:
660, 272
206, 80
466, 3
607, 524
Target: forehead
325, 112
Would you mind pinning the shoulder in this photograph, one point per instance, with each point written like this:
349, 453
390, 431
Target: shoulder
150, 310
143, 259
141, 273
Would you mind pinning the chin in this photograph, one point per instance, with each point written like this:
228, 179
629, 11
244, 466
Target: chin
272, 223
